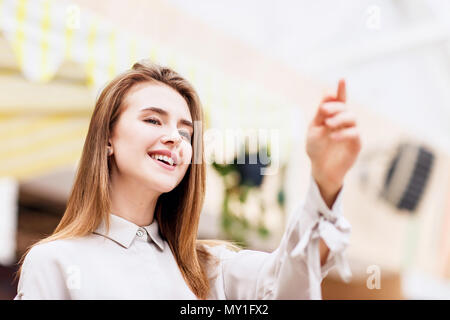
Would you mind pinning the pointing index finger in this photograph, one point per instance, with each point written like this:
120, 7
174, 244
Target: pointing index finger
341, 92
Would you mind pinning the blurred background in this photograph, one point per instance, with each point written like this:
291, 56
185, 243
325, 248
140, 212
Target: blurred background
258, 66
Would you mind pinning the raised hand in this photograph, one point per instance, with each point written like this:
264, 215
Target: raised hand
333, 143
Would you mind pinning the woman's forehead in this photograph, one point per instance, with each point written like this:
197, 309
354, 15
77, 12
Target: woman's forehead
143, 96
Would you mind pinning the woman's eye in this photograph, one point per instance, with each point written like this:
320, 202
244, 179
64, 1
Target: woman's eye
154, 121
186, 135
183, 133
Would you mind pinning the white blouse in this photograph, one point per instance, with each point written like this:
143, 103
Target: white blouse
132, 262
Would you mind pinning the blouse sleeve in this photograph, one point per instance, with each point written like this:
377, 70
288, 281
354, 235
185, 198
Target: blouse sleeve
40, 278
293, 270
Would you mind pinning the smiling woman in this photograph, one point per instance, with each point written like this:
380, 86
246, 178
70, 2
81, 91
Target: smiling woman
120, 177
130, 227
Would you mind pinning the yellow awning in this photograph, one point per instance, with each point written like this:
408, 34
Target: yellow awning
44, 34
34, 144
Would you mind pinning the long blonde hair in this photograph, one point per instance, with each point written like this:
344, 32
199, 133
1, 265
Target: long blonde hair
177, 211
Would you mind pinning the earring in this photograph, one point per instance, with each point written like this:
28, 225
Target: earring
109, 151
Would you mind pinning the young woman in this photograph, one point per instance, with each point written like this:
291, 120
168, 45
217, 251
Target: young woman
130, 227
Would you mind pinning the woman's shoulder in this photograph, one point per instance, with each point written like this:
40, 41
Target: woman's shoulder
51, 249
41, 256
220, 248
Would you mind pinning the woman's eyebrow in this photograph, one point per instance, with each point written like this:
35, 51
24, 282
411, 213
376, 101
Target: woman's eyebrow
165, 113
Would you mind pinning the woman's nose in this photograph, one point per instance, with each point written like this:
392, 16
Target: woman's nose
174, 137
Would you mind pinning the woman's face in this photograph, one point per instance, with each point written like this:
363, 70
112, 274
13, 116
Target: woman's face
155, 118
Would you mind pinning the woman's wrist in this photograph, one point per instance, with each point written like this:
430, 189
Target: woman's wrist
328, 188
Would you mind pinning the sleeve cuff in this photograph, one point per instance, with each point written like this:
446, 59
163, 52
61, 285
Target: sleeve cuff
319, 221
316, 203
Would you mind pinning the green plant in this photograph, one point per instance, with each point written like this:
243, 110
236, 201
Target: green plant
240, 181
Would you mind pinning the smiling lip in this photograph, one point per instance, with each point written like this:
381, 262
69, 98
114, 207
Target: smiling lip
165, 153
165, 166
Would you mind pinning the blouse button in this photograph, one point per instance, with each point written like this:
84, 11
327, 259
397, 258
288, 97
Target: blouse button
140, 233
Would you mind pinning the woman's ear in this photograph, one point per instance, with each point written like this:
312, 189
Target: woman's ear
109, 148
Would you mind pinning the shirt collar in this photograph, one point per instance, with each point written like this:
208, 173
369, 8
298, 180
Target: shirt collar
123, 231
153, 231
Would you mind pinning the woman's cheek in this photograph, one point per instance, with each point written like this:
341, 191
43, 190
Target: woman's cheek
189, 155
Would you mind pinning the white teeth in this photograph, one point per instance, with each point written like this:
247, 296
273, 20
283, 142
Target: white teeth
161, 157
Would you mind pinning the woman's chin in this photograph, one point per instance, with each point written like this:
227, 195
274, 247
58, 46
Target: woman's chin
161, 187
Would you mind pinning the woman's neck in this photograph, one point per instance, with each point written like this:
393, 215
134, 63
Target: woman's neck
132, 202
